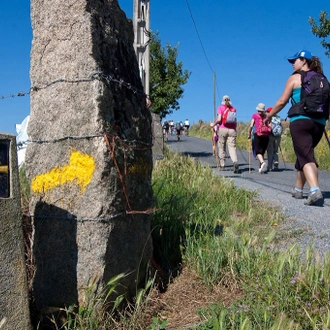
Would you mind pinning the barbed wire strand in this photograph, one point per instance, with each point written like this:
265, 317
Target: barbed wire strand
71, 217
96, 75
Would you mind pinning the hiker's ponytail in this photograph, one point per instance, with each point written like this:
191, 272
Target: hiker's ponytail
315, 64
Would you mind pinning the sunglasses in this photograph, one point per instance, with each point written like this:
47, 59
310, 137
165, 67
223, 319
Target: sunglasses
294, 61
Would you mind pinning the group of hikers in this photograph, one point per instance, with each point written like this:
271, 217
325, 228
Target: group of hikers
175, 129
266, 137
309, 92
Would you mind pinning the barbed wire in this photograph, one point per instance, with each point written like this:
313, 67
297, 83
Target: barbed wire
125, 142
72, 217
97, 75
103, 220
60, 139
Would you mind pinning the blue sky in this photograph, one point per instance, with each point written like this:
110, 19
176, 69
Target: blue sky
244, 42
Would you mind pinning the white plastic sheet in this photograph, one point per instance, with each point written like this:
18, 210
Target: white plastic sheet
22, 140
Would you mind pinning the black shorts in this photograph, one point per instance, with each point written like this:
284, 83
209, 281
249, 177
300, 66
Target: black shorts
306, 134
260, 144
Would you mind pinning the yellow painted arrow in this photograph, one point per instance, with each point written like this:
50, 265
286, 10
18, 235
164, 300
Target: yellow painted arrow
79, 171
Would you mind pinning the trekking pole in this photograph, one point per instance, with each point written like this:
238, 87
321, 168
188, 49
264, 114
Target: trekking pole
327, 137
249, 152
216, 155
279, 146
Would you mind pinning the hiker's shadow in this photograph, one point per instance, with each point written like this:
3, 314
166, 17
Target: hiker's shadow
326, 194
198, 154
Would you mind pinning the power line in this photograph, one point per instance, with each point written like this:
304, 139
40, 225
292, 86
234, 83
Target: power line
200, 40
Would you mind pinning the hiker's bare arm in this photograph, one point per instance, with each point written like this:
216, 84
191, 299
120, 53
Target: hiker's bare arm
218, 121
250, 128
292, 83
284, 98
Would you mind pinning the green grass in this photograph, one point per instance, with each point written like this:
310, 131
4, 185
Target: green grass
278, 290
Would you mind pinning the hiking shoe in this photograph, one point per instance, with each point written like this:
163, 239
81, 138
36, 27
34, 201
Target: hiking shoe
296, 194
236, 168
315, 198
275, 166
263, 168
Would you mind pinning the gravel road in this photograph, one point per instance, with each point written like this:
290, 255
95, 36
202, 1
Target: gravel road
305, 224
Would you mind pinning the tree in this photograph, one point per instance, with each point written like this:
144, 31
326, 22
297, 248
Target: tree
166, 78
322, 30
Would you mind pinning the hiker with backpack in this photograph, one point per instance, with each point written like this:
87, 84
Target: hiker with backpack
178, 128
261, 135
309, 91
274, 141
166, 128
227, 132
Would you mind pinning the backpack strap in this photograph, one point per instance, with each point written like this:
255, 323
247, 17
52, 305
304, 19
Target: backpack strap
223, 114
301, 77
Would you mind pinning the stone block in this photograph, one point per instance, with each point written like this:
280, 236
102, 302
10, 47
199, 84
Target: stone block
14, 311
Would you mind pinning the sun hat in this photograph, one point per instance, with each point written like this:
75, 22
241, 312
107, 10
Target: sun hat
261, 107
302, 53
269, 109
225, 98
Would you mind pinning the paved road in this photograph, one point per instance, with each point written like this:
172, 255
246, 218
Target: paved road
273, 187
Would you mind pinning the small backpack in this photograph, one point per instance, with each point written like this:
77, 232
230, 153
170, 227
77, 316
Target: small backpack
229, 116
314, 97
276, 125
263, 129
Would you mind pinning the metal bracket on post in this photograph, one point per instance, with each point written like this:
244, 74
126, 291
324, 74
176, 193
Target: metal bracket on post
4, 169
141, 22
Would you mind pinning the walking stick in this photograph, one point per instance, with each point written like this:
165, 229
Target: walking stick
249, 151
214, 146
216, 154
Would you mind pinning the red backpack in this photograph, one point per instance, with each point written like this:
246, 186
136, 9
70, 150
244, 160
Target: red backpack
263, 129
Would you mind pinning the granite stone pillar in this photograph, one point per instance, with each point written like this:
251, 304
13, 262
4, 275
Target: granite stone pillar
90, 156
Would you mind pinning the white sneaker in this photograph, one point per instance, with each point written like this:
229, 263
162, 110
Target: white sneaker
263, 168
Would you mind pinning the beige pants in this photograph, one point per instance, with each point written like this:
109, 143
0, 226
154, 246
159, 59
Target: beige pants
227, 136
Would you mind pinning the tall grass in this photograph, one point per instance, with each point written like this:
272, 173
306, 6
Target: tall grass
228, 238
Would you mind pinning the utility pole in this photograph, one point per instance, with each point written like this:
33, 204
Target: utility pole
141, 23
214, 94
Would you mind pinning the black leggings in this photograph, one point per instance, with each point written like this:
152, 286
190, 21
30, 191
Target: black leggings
306, 134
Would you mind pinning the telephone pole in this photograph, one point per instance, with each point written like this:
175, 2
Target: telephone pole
141, 23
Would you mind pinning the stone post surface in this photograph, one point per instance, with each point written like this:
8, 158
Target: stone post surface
157, 138
90, 159
14, 311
